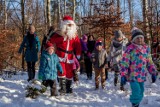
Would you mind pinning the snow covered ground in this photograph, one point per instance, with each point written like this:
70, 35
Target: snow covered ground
12, 94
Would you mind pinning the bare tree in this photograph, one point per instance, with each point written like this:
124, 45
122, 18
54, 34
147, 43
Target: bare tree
74, 9
145, 20
130, 2
48, 13
64, 6
23, 28
59, 12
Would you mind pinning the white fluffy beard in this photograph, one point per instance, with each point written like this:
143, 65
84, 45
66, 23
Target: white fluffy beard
69, 31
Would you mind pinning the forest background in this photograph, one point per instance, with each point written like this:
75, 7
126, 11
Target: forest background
97, 17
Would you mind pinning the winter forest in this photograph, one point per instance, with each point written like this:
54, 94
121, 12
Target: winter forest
126, 42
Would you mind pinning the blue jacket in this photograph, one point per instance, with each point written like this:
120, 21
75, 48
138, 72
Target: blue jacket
31, 54
49, 64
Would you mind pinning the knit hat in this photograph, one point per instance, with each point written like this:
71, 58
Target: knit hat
49, 45
99, 42
84, 37
136, 33
118, 34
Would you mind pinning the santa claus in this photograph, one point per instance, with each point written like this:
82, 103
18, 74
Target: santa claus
67, 43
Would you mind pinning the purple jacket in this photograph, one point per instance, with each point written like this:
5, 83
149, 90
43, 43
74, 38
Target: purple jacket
76, 64
84, 45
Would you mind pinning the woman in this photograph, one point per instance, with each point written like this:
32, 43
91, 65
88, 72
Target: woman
90, 45
32, 44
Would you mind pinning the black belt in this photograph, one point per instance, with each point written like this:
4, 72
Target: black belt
69, 52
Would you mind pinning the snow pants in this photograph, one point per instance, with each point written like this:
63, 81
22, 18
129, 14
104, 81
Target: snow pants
100, 73
66, 77
137, 94
52, 85
75, 75
67, 70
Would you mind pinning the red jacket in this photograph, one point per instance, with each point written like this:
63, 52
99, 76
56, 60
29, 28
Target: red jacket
65, 47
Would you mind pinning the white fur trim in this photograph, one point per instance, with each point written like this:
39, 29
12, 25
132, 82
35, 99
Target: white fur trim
68, 22
78, 57
137, 37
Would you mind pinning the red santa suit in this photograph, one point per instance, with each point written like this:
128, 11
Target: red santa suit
65, 48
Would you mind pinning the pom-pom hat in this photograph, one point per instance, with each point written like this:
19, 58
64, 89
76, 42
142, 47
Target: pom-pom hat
99, 43
136, 33
49, 45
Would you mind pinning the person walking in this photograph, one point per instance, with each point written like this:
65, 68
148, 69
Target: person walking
49, 65
31, 44
117, 48
135, 64
99, 59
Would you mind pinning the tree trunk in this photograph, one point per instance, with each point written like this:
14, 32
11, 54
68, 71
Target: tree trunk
145, 20
130, 12
64, 7
74, 9
48, 13
59, 12
23, 29
5, 15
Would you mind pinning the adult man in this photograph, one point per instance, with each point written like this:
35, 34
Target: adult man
67, 43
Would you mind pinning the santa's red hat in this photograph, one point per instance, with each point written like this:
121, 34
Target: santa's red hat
68, 19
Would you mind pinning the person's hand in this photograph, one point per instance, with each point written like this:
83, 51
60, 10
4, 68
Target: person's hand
106, 65
78, 69
154, 77
93, 59
61, 72
123, 80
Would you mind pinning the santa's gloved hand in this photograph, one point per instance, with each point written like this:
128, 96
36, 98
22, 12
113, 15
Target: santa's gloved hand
154, 77
123, 80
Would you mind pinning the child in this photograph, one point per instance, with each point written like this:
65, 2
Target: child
76, 68
117, 48
135, 63
49, 64
99, 59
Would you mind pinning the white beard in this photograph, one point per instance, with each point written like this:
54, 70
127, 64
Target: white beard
68, 31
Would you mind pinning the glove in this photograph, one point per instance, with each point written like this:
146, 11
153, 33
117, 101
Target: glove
123, 80
154, 78
61, 72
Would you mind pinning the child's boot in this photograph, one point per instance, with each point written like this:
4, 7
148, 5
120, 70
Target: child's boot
68, 86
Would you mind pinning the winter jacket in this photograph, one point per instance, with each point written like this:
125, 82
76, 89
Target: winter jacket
91, 45
31, 53
116, 50
49, 64
136, 62
100, 58
84, 45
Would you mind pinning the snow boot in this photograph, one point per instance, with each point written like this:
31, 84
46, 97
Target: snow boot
62, 83
122, 88
116, 78
135, 105
54, 89
68, 86
106, 73
33, 73
29, 74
